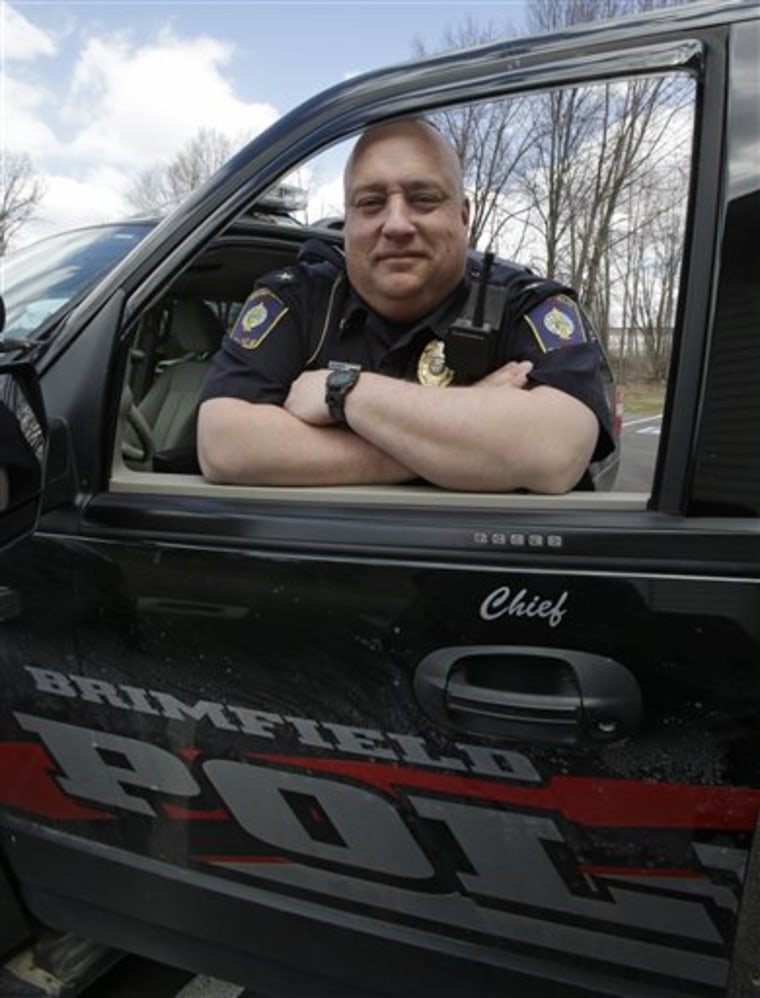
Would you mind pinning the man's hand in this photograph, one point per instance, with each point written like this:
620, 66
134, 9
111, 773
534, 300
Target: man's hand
513, 374
306, 398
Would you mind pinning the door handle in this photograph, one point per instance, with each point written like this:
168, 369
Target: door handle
527, 693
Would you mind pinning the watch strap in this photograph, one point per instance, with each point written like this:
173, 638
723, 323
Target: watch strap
341, 379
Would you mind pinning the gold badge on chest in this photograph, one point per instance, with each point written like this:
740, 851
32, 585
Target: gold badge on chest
431, 367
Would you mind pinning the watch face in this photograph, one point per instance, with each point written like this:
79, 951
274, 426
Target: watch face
339, 383
339, 379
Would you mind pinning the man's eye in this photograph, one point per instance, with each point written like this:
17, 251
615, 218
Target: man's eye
369, 204
425, 199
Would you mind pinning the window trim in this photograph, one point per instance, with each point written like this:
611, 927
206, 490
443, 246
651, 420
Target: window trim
125, 481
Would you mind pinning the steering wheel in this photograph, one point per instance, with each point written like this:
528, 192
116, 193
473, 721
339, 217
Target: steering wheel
145, 447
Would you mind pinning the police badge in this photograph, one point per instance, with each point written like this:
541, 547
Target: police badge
431, 367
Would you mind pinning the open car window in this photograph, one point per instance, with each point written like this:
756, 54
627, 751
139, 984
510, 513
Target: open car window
586, 184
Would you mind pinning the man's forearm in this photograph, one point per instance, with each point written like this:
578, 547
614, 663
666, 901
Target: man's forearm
258, 444
477, 438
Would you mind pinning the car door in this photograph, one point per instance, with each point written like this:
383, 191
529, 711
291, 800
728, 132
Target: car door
377, 741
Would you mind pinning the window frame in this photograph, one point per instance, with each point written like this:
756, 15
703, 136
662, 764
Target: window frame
667, 492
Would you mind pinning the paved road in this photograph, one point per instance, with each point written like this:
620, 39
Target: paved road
639, 442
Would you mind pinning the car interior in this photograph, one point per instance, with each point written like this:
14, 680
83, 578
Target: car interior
172, 348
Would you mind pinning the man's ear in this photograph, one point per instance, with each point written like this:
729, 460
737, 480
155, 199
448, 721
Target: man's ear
466, 212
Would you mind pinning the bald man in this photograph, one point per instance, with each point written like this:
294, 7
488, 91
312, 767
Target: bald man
338, 370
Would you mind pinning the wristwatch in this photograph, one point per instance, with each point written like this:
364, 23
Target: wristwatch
340, 381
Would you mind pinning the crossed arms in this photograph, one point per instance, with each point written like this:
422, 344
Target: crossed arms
491, 436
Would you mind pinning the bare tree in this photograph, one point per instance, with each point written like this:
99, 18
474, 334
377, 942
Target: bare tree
22, 190
568, 149
600, 146
593, 148
552, 175
652, 265
161, 188
491, 139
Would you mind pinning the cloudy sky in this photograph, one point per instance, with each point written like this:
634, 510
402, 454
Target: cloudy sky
96, 92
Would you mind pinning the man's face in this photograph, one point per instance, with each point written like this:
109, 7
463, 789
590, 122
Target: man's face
406, 221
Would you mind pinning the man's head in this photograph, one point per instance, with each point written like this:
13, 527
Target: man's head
407, 219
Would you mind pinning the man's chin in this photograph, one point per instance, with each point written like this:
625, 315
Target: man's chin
401, 286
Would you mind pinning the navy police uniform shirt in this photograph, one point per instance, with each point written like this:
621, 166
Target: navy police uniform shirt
305, 316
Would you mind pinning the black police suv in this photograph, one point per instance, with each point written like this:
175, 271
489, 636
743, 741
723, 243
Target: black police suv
369, 742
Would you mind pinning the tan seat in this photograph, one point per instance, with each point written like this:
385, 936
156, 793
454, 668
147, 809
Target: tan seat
170, 406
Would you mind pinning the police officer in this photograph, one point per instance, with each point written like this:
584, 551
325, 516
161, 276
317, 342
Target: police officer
344, 372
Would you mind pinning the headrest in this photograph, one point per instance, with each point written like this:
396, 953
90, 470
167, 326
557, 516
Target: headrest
195, 327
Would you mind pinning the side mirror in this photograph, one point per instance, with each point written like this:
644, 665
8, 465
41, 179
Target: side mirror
23, 449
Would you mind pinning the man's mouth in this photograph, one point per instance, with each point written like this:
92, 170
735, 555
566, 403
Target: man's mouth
398, 257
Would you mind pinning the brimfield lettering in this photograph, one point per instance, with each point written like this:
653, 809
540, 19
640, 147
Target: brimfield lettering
268, 726
501, 603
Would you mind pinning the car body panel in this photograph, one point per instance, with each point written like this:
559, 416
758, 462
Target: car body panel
196, 683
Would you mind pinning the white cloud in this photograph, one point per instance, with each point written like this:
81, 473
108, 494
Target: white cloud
136, 105
21, 39
23, 126
125, 105
70, 202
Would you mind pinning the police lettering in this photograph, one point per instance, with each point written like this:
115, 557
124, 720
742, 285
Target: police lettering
342, 837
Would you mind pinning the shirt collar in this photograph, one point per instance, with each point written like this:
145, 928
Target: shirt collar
356, 313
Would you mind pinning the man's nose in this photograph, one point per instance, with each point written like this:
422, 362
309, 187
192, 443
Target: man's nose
397, 215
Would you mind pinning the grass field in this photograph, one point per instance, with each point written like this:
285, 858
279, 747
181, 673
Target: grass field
642, 398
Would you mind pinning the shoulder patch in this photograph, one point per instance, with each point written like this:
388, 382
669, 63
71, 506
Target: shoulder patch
258, 317
557, 322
